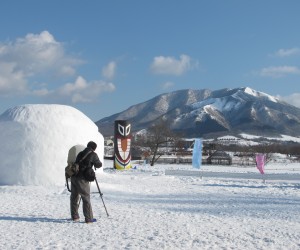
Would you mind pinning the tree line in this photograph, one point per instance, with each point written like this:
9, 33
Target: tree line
159, 136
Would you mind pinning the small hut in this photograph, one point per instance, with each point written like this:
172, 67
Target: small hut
219, 158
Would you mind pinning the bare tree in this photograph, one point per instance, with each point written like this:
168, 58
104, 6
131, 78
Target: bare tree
159, 135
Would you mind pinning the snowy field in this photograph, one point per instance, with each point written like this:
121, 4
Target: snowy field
152, 210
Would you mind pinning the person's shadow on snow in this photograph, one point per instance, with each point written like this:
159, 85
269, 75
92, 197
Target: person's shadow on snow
34, 219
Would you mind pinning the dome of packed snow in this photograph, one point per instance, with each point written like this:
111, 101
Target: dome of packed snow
35, 141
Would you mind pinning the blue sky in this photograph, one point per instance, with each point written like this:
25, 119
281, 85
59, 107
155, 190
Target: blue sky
101, 57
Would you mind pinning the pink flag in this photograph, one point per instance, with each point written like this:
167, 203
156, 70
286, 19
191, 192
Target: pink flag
260, 160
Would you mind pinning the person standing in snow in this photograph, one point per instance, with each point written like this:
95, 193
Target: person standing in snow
80, 187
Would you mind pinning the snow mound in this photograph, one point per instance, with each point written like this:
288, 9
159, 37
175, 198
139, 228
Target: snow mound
36, 140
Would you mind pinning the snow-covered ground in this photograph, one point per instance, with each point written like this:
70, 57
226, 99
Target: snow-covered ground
151, 210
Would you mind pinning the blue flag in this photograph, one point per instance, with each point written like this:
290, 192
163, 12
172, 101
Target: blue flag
197, 153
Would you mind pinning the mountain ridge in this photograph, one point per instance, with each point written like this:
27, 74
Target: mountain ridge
204, 112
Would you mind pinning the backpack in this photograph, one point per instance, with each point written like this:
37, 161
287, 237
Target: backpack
73, 168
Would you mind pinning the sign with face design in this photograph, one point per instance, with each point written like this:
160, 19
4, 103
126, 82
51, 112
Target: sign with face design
122, 142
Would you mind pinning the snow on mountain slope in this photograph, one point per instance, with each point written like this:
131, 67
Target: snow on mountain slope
36, 140
196, 113
255, 93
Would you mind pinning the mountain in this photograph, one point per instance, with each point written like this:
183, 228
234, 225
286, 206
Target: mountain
196, 113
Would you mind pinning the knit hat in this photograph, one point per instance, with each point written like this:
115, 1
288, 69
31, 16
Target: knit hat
92, 145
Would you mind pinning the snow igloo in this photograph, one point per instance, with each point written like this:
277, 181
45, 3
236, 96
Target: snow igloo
35, 141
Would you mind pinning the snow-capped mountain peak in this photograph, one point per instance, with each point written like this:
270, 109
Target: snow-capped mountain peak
259, 94
200, 112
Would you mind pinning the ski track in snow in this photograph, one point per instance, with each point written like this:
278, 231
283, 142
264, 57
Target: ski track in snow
149, 210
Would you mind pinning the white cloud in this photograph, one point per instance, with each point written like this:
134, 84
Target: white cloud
11, 82
293, 99
35, 58
167, 85
34, 55
83, 91
67, 70
109, 70
38, 53
172, 66
41, 92
279, 71
287, 52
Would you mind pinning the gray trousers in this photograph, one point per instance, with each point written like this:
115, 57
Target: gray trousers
80, 187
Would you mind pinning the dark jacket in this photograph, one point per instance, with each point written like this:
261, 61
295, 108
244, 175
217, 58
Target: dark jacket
91, 160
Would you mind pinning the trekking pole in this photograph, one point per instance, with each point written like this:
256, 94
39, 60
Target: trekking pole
101, 196
67, 184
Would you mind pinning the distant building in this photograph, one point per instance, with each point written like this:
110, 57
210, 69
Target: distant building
219, 158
